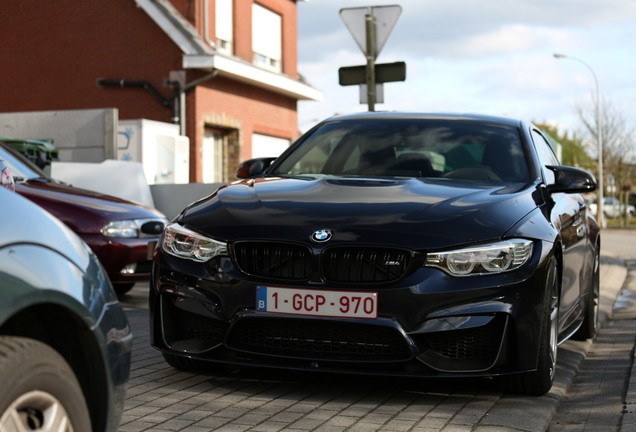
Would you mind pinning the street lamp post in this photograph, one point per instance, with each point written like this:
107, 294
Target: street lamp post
599, 138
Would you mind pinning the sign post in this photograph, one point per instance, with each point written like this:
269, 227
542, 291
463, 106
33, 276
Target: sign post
371, 47
370, 27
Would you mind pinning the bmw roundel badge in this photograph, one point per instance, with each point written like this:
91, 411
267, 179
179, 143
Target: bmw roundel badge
321, 235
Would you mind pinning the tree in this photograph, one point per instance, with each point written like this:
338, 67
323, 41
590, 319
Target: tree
618, 147
573, 150
617, 138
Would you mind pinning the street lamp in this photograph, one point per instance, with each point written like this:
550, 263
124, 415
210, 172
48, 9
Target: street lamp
599, 138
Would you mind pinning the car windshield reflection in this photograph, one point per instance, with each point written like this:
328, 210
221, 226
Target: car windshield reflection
409, 148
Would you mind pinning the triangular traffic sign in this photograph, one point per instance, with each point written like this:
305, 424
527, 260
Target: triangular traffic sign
385, 18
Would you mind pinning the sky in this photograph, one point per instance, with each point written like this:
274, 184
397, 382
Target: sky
489, 57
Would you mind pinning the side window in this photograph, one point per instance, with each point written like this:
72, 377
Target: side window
546, 155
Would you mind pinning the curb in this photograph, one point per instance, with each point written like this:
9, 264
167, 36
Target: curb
512, 413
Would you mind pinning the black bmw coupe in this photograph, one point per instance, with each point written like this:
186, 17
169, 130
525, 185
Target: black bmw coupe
400, 244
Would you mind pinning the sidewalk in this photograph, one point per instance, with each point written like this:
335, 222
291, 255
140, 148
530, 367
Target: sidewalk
627, 302
602, 396
512, 413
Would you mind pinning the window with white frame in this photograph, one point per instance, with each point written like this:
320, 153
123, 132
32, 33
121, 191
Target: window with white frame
224, 26
267, 38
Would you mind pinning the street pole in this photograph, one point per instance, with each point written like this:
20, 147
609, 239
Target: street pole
370, 27
599, 138
371, 46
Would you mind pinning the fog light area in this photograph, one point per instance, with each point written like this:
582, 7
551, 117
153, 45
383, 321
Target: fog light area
129, 269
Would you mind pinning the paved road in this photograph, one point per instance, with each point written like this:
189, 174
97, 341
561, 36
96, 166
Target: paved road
163, 399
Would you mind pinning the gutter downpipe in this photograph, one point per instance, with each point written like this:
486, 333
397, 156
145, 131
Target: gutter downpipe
189, 86
147, 85
186, 88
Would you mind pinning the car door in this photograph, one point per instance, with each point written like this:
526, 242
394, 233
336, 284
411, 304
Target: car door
568, 216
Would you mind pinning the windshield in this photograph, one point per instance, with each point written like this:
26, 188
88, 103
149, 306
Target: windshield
409, 148
21, 168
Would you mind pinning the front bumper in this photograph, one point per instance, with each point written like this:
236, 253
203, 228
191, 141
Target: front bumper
428, 324
125, 260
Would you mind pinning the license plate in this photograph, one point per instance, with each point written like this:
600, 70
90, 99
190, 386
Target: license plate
343, 304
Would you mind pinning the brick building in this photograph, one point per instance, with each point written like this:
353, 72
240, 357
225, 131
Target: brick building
224, 70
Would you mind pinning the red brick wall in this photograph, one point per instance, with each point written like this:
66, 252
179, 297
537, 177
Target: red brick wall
53, 53
259, 110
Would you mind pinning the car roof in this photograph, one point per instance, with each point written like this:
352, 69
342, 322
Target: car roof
428, 116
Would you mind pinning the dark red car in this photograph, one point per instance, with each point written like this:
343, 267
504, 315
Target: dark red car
122, 234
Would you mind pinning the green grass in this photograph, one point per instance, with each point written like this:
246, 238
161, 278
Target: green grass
630, 222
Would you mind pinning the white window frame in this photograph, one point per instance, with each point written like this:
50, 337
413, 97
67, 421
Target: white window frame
267, 38
224, 26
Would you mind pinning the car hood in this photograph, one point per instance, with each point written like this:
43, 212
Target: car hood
83, 210
406, 212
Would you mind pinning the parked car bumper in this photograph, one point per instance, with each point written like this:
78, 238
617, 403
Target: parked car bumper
126, 260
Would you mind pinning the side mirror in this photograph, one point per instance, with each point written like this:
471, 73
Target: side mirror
253, 167
571, 180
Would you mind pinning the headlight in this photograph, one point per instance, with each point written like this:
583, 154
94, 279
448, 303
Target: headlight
186, 244
122, 228
135, 228
490, 258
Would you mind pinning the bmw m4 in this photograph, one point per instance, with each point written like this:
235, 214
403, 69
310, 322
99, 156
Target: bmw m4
397, 244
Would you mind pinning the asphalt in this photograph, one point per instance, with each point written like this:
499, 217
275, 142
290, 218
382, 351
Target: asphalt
594, 389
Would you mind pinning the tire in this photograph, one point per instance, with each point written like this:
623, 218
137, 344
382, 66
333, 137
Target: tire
590, 319
35, 378
539, 382
123, 288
